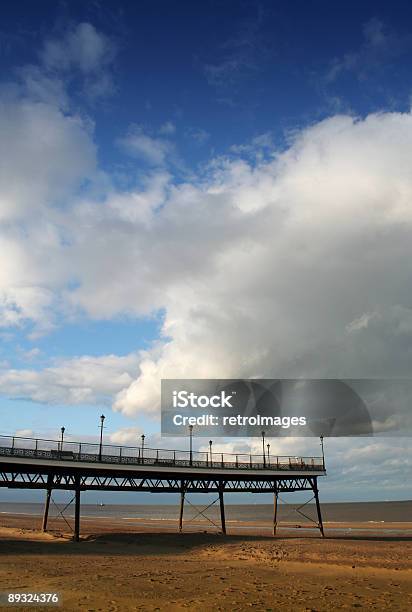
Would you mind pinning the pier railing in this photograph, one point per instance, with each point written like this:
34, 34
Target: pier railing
16, 446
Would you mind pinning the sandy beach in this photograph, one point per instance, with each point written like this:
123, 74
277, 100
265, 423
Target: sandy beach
147, 566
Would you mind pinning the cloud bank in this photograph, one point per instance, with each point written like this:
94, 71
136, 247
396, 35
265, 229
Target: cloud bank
295, 265
292, 263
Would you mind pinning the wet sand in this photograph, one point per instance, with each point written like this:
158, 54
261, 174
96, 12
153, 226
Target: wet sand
136, 565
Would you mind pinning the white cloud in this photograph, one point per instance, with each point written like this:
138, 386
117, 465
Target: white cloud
39, 86
80, 380
127, 435
29, 355
24, 433
139, 206
81, 47
45, 155
155, 151
167, 129
257, 148
82, 50
145, 388
21, 304
282, 259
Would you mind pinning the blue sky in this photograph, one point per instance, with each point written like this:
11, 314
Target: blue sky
215, 189
250, 67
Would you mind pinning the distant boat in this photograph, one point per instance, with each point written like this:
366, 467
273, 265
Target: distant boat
101, 504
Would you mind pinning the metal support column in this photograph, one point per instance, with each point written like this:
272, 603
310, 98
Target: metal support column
222, 507
182, 505
77, 510
275, 511
47, 502
316, 493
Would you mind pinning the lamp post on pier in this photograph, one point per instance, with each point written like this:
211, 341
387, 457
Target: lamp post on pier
143, 437
210, 450
323, 452
63, 429
102, 418
268, 447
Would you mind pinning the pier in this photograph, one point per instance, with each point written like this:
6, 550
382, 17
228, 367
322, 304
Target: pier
30, 463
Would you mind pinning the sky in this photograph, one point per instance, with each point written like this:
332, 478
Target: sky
204, 190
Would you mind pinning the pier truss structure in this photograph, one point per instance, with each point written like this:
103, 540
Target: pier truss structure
28, 463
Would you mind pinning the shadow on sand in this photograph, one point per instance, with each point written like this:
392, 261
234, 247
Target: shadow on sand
149, 543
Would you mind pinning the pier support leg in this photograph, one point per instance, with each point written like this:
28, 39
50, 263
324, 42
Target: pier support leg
77, 511
316, 493
222, 508
47, 502
182, 505
275, 512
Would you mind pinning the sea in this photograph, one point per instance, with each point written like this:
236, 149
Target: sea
359, 512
